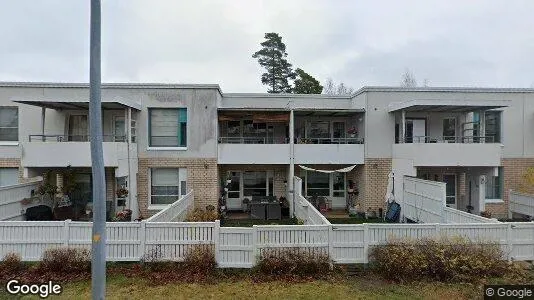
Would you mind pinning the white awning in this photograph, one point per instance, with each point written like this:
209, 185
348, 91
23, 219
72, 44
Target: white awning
344, 170
58, 104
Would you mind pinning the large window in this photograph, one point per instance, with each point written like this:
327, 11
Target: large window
9, 176
167, 185
168, 127
254, 183
318, 184
493, 126
494, 186
449, 129
9, 124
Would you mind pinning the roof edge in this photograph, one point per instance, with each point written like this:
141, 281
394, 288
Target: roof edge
441, 89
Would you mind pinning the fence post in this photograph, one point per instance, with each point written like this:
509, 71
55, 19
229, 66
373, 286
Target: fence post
438, 230
331, 244
254, 244
365, 243
216, 239
66, 232
509, 240
142, 239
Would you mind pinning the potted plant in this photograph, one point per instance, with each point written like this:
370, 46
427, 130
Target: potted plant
352, 132
246, 203
122, 192
124, 215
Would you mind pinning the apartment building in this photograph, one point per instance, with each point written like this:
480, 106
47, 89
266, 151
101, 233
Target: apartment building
163, 140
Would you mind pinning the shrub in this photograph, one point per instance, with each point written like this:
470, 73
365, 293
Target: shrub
200, 259
457, 260
11, 264
293, 262
200, 215
65, 260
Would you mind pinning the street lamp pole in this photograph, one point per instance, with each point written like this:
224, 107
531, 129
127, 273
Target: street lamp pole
98, 261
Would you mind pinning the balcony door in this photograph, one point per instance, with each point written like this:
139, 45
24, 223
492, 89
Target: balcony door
78, 130
119, 129
415, 130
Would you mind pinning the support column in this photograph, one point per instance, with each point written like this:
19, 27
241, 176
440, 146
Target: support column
403, 126
43, 115
482, 193
482, 126
291, 161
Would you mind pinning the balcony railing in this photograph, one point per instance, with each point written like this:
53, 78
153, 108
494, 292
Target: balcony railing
73, 138
450, 139
252, 140
330, 141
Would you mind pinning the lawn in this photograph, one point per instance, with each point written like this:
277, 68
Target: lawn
250, 222
120, 287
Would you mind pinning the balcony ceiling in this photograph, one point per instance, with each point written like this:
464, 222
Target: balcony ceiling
80, 104
438, 105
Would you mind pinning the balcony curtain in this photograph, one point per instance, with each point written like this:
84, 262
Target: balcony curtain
343, 170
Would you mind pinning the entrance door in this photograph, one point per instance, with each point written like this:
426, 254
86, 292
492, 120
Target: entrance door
234, 192
450, 180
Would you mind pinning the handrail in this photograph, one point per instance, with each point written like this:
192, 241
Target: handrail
450, 139
330, 141
73, 138
252, 140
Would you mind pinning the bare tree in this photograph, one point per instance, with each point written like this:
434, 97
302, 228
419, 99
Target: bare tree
331, 88
426, 82
408, 79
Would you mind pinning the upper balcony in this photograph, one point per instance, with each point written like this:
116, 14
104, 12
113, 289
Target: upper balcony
253, 137
64, 135
448, 132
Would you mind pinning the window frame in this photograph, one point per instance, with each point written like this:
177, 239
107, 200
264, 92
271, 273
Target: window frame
182, 173
12, 143
179, 125
500, 179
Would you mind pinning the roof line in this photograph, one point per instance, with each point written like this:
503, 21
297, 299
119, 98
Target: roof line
441, 89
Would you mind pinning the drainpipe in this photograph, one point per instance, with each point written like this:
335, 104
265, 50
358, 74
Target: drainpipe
291, 160
43, 115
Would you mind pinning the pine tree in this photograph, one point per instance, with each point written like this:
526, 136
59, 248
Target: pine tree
306, 84
272, 56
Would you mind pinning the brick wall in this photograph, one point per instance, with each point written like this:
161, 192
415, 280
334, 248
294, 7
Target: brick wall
513, 170
376, 171
202, 177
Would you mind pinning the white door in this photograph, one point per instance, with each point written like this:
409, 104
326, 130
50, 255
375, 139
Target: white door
235, 191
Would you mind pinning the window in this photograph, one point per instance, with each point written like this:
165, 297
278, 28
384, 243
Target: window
338, 130
167, 185
255, 183
449, 129
9, 176
78, 128
493, 126
494, 186
318, 130
119, 129
338, 189
318, 184
9, 124
167, 127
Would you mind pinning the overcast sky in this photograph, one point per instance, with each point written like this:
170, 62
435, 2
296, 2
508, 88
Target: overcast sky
449, 43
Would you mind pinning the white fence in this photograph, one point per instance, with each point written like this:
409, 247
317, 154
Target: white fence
458, 217
11, 207
521, 203
423, 200
240, 247
304, 210
175, 212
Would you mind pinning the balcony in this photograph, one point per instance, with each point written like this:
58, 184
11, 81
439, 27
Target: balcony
329, 151
253, 150
450, 151
71, 150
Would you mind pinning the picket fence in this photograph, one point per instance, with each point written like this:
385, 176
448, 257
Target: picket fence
521, 203
176, 212
11, 207
237, 247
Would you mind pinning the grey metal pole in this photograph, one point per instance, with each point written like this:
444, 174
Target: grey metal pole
98, 263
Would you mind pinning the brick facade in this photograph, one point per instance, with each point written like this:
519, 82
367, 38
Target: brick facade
513, 171
202, 178
376, 171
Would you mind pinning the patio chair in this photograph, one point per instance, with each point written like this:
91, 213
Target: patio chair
257, 211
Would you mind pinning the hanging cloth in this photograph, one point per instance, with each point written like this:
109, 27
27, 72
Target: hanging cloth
344, 170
